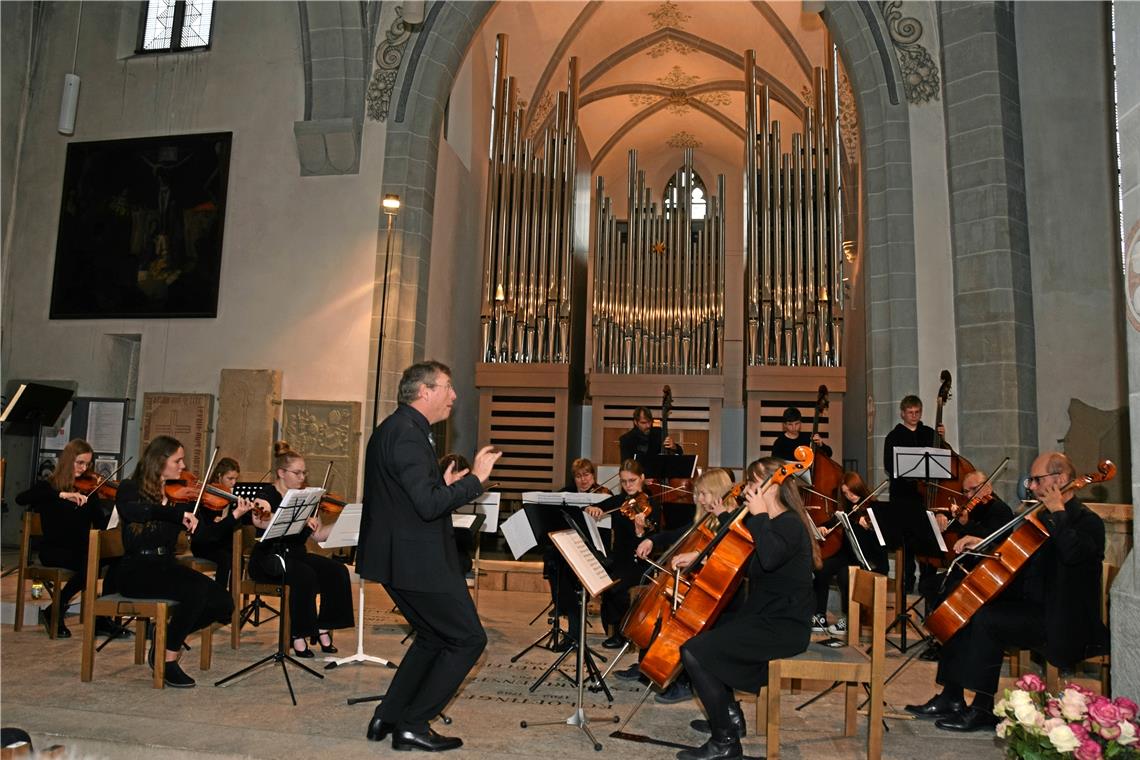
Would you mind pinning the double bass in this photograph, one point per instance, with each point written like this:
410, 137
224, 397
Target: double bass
1000, 566
677, 607
939, 496
671, 490
821, 499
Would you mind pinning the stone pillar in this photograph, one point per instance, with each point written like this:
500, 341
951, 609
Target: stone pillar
1126, 590
996, 378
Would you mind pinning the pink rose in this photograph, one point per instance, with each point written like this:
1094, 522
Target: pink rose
1052, 708
1030, 682
1110, 731
1127, 707
1104, 712
1079, 731
1088, 750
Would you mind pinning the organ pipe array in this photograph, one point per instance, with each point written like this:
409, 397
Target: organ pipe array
529, 224
793, 234
658, 297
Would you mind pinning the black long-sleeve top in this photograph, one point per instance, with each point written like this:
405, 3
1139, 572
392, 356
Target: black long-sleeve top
65, 524
904, 489
148, 528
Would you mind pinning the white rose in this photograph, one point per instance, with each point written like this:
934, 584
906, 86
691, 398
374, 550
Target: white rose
1063, 739
1127, 734
1028, 715
1003, 727
1073, 705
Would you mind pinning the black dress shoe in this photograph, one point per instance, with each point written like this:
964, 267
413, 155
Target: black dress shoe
326, 648
716, 748
428, 741
735, 717
677, 691
937, 707
61, 632
617, 641
969, 719
379, 729
173, 675
632, 673
305, 653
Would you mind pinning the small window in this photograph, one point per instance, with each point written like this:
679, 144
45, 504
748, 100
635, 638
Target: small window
697, 193
171, 25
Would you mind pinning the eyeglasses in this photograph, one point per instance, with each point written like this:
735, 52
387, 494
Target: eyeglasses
1038, 478
446, 386
298, 473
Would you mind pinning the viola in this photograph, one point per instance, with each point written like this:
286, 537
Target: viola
999, 567
188, 490
688, 603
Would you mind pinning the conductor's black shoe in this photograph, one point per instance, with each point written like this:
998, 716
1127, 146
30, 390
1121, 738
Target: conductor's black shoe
931, 653
937, 707
677, 692
617, 641
378, 730
735, 715
428, 741
173, 675
716, 748
969, 719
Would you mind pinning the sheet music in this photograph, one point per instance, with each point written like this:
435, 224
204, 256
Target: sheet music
520, 536
113, 520
558, 498
875, 525
486, 504
346, 529
595, 536
105, 426
582, 561
937, 531
459, 520
297, 506
853, 542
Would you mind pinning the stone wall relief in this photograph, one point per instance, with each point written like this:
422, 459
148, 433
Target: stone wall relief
389, 55
921, 82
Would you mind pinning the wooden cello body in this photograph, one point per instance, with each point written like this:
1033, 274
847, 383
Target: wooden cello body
993, 573
704, 592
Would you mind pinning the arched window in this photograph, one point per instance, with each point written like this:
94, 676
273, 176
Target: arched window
697, 191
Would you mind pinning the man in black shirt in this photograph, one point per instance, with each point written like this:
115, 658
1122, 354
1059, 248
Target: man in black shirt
644, 439
784, 447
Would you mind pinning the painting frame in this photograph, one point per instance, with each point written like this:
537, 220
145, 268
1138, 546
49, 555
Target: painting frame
141, 228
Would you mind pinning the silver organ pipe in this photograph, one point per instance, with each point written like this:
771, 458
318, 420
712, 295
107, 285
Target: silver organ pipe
528, 227
793, 232
658, 291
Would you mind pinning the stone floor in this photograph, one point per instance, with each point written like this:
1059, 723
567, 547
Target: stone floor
119, 716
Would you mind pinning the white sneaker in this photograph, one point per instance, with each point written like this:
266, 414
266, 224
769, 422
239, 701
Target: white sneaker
838, 628
819, 624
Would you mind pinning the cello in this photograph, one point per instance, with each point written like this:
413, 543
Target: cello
999, 567
821, 498
689, 602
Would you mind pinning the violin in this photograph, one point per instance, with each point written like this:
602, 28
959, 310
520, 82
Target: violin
89, 483
638, 505
188, 490
331, 505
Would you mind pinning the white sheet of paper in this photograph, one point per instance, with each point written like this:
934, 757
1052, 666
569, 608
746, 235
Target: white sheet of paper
105, 426
582, 561
463, 521
346, 529
875, 525
520, 537
937, 531
558, 498
113, 521
595, 536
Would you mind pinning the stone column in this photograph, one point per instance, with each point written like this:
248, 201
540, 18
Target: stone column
1126, 590
993, 318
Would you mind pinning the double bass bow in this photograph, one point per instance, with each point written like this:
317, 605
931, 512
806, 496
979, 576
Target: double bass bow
680, 606
999, 567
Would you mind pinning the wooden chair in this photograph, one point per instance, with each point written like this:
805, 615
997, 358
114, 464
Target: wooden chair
52, 577
1103, 661
242, 587
107, 544
868, 595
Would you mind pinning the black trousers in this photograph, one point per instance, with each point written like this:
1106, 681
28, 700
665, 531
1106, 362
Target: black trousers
75, 560
200, 600
308, 575
449, 639
972, 658
220, 552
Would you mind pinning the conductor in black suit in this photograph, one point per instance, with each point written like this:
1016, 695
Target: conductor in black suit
407, 544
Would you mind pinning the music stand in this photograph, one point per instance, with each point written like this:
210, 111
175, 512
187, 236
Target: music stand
594, 580
32, 407
662, 467
289, 519
346, 532
251, 613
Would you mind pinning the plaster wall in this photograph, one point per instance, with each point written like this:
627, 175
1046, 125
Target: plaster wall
1066, 110
297, 264
16, 22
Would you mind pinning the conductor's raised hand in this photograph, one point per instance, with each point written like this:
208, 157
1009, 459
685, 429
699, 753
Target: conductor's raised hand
484, 462
451, 474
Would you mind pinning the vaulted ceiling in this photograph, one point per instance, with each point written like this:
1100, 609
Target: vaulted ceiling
658, 76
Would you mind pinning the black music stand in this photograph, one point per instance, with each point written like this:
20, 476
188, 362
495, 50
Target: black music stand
288, 520
662, 467
251, 613
32, 407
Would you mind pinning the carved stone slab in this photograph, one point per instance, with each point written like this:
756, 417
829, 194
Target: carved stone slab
248, 402
323, 432
185, 416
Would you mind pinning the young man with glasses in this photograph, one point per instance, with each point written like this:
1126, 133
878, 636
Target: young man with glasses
1052, 606
407, 543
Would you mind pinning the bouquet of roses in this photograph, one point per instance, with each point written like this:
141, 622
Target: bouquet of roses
1076, 723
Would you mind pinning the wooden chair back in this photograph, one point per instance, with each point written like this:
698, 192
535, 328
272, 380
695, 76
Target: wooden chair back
27, 569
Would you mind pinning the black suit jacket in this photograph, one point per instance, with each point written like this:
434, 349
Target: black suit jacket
406, 538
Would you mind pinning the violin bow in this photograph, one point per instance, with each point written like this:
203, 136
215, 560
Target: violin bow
202, 490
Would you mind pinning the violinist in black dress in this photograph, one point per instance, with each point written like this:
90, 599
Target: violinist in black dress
213, 540
775, 620
564, 585
149, 568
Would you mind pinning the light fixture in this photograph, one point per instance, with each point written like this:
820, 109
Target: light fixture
391, 206
69, 102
